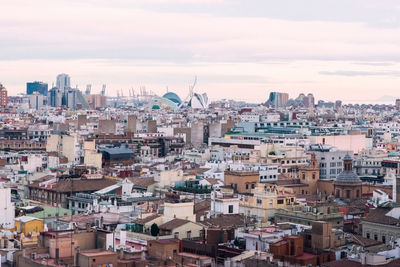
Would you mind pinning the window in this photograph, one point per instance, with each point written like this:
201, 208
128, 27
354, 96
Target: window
304, 176
368, 235
189, 234
333, 164
247, 186
376, 237
280, 201
230, 209
252, 186
383, 239
259, 201
313, 176
176, 235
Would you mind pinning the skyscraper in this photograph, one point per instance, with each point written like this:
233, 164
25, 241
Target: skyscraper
63, 82
40, 87
278, 99
55, 97
36, 100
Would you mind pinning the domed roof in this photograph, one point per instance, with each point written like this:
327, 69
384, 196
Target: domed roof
347, 157
173, 97
348, 177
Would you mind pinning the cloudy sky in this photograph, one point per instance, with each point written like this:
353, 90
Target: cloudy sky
240, 49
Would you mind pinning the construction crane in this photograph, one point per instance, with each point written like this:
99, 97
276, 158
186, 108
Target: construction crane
88, 89
103, 90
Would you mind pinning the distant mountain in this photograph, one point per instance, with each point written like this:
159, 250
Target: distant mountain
387, 98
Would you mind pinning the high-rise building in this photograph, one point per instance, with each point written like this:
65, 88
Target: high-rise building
36, 100
55, 97
69, 98
310, 100
278, 99
63, 82
40, 87
398, 104
3, 96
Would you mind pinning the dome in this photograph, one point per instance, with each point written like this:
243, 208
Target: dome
173, 97
348, 175
347, 157
162, 103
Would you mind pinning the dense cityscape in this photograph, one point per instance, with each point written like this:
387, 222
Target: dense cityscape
145, 180
199, 133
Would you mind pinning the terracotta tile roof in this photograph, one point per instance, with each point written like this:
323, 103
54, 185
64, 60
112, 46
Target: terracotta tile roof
201, 208
365, 242
173, 224
78, 185
144, 182
349, 263
227, 221
147, 219
378, 215
212, 181
204, 205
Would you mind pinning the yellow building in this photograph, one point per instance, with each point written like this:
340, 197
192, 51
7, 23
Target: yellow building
92, 157
28, 225
181, 229
265, 199
183, 209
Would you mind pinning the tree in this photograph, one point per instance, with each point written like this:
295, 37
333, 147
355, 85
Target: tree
154, 230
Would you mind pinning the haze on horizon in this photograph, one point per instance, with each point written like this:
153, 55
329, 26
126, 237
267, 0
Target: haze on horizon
240, 49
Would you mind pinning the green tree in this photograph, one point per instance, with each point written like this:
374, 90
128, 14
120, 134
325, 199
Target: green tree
154, 229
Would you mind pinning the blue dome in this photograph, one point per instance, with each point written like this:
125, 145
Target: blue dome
173, 97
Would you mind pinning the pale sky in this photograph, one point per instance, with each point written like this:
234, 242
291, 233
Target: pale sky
239, 49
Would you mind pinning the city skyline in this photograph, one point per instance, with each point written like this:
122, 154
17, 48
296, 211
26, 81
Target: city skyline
232, 46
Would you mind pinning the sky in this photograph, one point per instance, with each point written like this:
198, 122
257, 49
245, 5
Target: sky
238, 49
